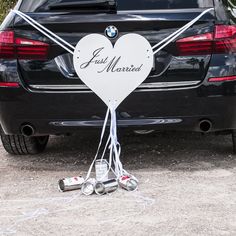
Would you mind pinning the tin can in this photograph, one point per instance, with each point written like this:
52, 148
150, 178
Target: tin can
128, 182
101, 169
105, 187
69, 184
88, 187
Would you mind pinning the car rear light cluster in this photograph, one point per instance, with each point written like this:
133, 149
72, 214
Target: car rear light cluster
223, 40
9, 85
12, 47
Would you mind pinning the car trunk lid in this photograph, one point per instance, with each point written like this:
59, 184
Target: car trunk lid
169, 68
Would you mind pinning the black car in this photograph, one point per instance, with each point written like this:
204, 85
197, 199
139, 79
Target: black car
192, 86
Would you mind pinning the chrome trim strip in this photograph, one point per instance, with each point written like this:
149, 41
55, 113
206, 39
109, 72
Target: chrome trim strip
122, 122
142, 86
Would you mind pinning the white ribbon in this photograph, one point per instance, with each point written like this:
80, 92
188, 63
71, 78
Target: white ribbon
99, 145
48, 33
112, 140
61, 42
177, 33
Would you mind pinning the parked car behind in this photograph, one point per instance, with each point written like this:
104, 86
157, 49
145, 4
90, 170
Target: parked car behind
192, 86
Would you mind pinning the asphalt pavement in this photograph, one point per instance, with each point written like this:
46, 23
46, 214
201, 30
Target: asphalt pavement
187, 187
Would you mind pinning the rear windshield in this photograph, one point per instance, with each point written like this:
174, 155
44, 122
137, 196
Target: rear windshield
162, 4
45, 5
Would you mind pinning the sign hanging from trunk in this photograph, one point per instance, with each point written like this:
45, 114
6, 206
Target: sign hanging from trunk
113, 72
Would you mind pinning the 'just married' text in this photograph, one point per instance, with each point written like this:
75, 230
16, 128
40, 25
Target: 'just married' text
110, 64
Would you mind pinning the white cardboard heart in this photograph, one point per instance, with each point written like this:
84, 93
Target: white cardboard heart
113, 72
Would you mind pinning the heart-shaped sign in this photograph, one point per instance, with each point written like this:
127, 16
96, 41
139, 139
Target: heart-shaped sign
113, 72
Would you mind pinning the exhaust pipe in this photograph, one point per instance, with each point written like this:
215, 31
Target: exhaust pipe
27, 130
205, 126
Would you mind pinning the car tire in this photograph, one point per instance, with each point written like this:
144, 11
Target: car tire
21, 145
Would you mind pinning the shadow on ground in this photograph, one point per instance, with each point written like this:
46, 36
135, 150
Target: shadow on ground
172, 151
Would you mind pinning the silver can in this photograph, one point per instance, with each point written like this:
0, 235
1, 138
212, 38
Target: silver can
128, 182
101, 169
88, 187
69, 184
105, 187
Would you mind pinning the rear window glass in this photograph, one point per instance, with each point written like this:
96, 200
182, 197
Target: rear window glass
44, 5
162, 4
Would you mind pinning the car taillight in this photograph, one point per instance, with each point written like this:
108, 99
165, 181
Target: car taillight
195, 45
223, 40
12, 47
9, 85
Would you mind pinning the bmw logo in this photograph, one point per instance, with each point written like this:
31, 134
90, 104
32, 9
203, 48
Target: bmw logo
111, 32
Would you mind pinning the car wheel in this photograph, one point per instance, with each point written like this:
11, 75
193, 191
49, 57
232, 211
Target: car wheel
21, 145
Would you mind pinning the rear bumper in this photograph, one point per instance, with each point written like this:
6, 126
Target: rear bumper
60, 112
